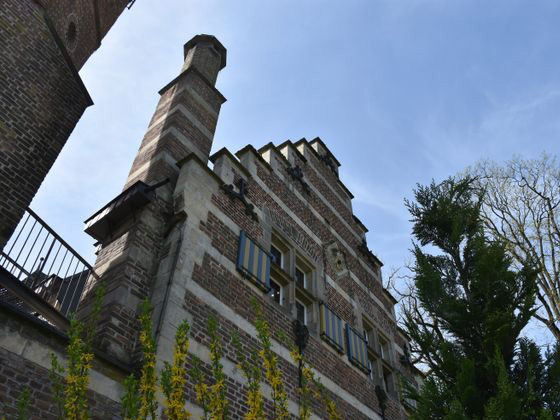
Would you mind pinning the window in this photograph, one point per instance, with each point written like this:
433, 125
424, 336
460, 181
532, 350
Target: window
301, 312
300, 279
388, 381
291, 283
357, 349
332, 330
253, 262
279, 277
373, 368
385, 348
369, 334
303, 273
279, 252
276, 292
277, 256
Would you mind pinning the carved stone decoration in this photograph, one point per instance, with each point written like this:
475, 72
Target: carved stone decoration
326, 159
297, 174
230, 191
336, 258
288, 228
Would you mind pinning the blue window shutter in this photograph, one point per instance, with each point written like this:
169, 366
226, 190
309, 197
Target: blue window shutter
330, 324
267, 279
349, 345
241, 252
253, 261
357, 350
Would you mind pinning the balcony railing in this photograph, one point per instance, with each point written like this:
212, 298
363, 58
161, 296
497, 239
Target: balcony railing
40, 273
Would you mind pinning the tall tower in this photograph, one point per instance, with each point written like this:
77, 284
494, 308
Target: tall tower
132, 229
186, 115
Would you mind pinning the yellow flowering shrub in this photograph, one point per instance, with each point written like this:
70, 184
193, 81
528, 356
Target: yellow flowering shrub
130, 401
218, 401
252, 371
312, 387
77, 378
271, 369
200, 388
174, 377
148, 379
305, 391
212, 398
70, 394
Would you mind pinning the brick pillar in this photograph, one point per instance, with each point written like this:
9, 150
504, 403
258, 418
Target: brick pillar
183, 123
185, 118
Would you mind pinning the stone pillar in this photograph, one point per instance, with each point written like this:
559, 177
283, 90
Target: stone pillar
183, 123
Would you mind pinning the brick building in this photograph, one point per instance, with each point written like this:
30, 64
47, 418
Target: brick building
202, 234
43, 44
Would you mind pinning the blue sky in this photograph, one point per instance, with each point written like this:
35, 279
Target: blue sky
401, 91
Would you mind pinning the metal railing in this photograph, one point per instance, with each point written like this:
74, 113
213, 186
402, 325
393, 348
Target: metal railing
37, 262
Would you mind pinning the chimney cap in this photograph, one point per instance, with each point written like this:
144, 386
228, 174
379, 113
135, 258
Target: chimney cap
204, 39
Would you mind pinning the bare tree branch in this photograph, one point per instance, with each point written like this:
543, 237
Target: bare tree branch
521, 207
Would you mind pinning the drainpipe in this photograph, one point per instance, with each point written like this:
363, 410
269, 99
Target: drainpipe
171, 274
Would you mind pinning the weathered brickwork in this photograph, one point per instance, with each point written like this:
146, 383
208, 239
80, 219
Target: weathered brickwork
82, 24
271, 189
17, 374
42, 44
201, 312
237, 295
40, 103
127, 266
321, 229
25, 347
340, 305
130, 268
223, 238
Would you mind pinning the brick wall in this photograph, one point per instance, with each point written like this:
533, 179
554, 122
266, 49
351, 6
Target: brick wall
321, 222
41, 101
82, 24
25, 347
41, 94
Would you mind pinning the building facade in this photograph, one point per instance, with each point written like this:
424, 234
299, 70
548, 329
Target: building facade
200, 235
273, 224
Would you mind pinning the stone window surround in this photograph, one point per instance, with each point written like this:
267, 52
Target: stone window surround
285, 276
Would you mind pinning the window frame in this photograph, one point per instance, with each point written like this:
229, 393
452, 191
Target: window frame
305, 309
272, 254
307, 269
374, 367
280, 291
385, 348
283, 247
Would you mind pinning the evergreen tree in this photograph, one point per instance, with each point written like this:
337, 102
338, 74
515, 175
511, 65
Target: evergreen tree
465, 314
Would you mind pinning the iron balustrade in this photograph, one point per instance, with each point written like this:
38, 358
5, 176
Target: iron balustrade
41, 273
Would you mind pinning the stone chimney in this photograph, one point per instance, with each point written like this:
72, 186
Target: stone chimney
134, 230
185, 119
